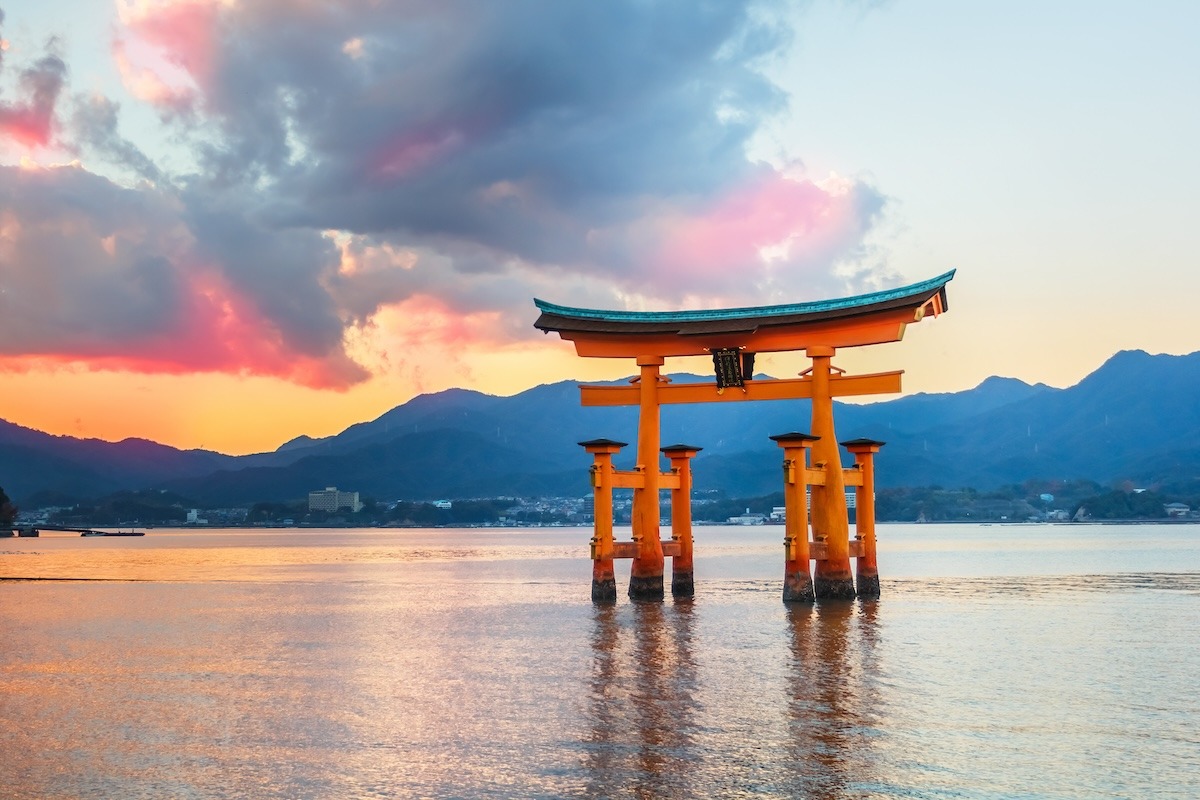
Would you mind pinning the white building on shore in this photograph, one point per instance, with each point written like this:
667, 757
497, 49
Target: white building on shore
330, 499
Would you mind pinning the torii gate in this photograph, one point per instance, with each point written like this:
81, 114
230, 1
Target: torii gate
732, 337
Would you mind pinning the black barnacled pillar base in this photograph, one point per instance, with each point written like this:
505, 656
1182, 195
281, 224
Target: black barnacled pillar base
868, 587
798, 588
604, 590
834, 588
682, 585
646, 587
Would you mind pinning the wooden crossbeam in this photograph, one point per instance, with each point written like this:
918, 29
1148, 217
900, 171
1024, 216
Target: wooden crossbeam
636, 479
818, 551
768, 389
670, 547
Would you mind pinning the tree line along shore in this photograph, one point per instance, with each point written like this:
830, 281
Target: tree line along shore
1034, 500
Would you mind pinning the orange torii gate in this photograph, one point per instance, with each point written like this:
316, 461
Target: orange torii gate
732, 337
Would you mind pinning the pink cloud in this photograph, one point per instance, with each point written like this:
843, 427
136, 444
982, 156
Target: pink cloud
104, 277
425, 320
148, 86
421, 146
794, 218
215, 330
771, 238
224, 331
31, 120
169, 44
410, 151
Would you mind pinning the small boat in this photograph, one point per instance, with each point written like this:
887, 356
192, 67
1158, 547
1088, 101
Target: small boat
113, 533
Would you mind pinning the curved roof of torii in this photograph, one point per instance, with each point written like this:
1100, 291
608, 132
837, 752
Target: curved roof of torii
843, 322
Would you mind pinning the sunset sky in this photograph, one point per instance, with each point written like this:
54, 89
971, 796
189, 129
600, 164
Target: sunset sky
227, 223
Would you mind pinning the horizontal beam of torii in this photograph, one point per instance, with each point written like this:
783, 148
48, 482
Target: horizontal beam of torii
771, 389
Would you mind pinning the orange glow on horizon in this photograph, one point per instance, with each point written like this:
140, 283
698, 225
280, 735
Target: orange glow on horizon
237, 415
240, 414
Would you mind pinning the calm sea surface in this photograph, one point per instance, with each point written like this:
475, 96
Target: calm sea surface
1002, 662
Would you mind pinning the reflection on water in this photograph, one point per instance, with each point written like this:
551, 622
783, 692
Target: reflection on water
642, 701
831, 705
650, 736
472, 664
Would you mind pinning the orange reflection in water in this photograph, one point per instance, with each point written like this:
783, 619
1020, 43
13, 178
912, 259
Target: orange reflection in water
832, 707
662, 723
642, 702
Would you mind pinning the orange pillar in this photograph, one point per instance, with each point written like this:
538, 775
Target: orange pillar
646, 574
797, 580
682, 578
604, 579
864, 451
833, 579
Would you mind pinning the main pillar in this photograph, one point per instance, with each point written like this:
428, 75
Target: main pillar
867, 566
682, 578
646, 574
833, 579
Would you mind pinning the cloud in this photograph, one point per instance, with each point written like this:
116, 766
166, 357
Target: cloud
94, 126
112, 277
166, 43
29, 121
423, 166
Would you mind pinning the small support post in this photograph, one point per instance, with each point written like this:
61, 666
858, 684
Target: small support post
833, 579
797, 579
604, 579
646, 572
682, 577
867, 567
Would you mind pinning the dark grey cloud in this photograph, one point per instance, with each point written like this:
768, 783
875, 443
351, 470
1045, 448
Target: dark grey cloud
416, 119
94, 126
471, 154
86, 267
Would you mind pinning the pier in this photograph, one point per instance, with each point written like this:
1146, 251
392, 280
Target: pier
33, 531
815, 568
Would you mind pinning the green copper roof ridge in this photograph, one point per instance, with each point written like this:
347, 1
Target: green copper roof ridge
808, 307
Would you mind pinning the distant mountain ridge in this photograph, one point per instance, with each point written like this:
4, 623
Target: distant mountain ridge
1135, 417
32, 461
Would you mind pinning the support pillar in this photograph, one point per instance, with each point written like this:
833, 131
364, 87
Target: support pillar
646, 574
797, 580
867, 567
682, 579
833, 579
604, 579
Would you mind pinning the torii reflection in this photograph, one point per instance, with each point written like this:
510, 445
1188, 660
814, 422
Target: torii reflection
642, 702
670, 714
833, 708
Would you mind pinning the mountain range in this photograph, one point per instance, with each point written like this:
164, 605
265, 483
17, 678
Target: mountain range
1137, 417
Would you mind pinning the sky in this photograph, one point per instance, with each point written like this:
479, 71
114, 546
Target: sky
224, 224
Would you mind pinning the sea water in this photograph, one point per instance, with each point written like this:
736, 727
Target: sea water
1040, 661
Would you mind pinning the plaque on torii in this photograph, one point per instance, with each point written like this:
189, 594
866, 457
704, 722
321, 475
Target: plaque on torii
731, 337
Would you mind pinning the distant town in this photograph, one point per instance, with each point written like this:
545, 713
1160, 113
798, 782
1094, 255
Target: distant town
1033, 501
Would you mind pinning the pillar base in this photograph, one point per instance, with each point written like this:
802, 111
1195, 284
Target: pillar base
646, 587
868, 587
827, 588
604, 590
682, 584
798, 588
